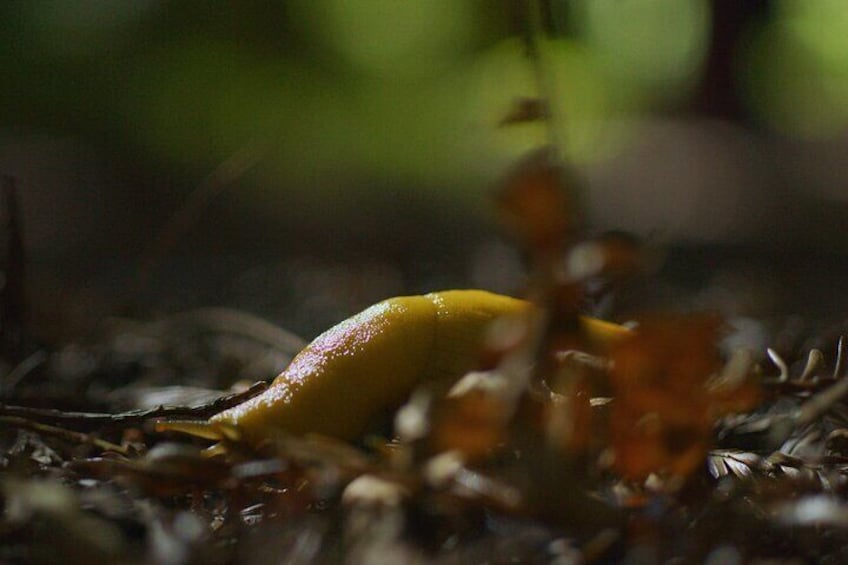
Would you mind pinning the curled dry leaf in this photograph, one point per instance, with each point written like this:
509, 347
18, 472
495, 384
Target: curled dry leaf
722, 463
665, 411
535, 205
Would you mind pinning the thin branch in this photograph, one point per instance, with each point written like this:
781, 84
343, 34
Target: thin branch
62, 433
94, 420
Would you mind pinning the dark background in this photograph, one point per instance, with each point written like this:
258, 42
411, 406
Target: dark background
316, 156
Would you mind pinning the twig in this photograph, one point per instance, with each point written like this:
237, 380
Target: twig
539, 28
62, 433
94, 420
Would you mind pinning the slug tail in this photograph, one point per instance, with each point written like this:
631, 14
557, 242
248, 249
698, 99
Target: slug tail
197, 428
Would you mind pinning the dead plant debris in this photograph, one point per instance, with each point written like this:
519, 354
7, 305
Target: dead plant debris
659, 448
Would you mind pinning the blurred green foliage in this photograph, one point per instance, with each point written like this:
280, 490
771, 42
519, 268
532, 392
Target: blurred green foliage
413, 89
797, 68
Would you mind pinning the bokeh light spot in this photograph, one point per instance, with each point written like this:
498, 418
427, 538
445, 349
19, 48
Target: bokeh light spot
409, 38
653, 49
796, 69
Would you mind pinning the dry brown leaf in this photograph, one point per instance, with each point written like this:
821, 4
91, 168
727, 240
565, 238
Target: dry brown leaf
535, 205
664, 413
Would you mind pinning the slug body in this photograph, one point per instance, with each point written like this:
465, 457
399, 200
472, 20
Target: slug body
371, 362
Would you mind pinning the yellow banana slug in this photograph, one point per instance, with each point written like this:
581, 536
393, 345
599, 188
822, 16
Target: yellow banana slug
369, 363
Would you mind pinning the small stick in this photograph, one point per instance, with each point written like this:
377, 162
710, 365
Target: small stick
62, 433
95, 420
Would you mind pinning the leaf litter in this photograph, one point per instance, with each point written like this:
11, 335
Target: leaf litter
660, 448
